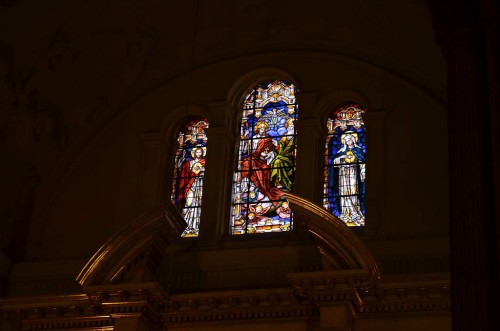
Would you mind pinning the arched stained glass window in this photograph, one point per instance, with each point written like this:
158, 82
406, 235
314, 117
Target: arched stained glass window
345, 167
189, 169
266, 160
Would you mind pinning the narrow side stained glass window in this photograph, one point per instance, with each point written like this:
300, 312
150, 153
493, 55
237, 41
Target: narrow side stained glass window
266, 160
189, 170
345, 167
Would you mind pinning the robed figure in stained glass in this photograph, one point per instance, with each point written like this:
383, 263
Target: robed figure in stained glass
187, 189
282, 163
347, 178
345, 171
266, 160
191, 188
260, 132
258, 169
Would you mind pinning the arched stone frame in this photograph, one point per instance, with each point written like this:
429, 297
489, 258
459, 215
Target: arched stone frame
375, 123
242, 86
236, 96
66, 168
221, 104
122, 259
134, 253
156, 149
119, 286
122, 274
159, 94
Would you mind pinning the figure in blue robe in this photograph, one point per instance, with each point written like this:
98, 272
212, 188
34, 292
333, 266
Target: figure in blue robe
346, 179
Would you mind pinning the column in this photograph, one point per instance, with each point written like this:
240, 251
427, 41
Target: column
490, 12
308, 181
375, 170
308, 174
219, 169
473, 223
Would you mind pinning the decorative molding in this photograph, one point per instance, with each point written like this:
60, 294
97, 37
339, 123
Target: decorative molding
402, 294
342, 249
135, 252
114, 285
101, 305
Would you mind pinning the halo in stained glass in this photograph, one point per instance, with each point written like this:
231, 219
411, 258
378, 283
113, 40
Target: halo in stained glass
266, 160
344, 172
189, 170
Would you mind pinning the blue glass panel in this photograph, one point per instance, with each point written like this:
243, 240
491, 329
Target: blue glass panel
345, 165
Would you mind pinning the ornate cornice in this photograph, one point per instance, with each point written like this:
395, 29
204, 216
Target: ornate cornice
309, 291
114, 286
396, 294
259, 304
53, 312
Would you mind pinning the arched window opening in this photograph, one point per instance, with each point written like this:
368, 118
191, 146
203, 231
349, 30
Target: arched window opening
266, 160
189, 170
345, 166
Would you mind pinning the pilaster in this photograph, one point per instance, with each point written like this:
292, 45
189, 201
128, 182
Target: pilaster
376, 145
309, 133
309, 146
473, 241
214, 221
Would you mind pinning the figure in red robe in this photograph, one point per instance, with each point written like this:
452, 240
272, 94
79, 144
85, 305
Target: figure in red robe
257, 168
191, 189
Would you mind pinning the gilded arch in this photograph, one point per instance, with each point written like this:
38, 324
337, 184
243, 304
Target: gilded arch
133, 253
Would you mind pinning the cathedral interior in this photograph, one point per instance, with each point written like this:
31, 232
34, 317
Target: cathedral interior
94, 95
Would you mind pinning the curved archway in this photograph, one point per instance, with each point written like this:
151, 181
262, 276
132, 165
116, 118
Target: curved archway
341, 247
122, 259
134, 253
337, 98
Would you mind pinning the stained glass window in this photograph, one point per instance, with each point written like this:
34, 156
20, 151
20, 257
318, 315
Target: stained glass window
345, 167
266, 160
189, 169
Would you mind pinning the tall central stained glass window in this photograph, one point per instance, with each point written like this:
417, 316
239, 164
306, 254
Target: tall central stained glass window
266, 160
